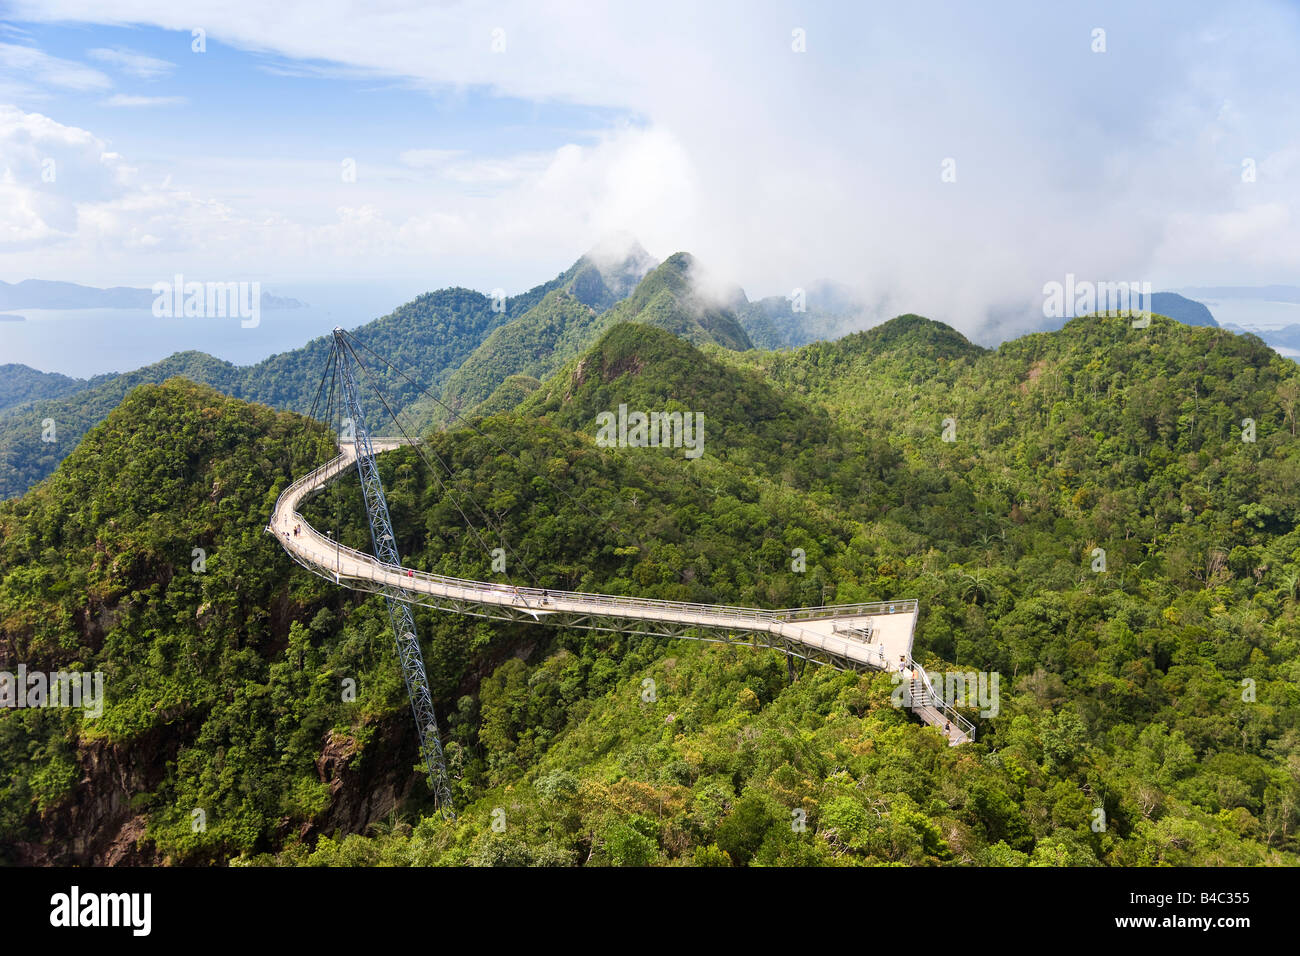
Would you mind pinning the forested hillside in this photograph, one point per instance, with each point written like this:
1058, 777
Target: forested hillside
670, 298
567, 321
534, 344
435, 334
1158, 688
21, 383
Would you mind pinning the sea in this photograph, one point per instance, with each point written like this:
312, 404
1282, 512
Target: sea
86, 342
1256, 315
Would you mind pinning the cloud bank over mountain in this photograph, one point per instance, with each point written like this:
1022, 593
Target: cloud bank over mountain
946, 162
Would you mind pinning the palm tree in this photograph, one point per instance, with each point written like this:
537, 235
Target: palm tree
975, 587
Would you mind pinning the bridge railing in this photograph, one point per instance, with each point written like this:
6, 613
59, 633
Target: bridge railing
531, 597
331, 558
870, 609
310, 480
925, 695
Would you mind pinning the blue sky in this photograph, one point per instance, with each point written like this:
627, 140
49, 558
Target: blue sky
294, 108
781, 142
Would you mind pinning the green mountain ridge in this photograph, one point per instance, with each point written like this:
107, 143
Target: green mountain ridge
434, 332
1121, 689
21, 383
668, 298
532, 345
564, 323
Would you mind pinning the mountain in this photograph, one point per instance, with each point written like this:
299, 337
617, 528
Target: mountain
826, 310
1185, 310
43, 294
597, 293
21, 383
1270, 293
605, 274
608, 272
532, 345
649, 368
1097, 534
433, 334
671, 298
553, 328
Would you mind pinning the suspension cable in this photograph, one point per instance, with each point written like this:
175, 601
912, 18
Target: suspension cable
468, 424
442, 485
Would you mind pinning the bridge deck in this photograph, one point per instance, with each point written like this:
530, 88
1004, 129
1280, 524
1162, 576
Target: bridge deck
831, 635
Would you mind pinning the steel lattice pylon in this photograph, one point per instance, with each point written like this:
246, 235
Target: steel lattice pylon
399, 600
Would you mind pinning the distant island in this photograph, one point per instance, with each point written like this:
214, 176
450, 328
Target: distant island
13, 318
44, 294
1284, 338
1185, 310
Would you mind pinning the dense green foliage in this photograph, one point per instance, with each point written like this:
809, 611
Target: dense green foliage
100, 570
535, 344
772, 323
507, 395
669, 298
21, 383
572, 317
1161, 690
433, 333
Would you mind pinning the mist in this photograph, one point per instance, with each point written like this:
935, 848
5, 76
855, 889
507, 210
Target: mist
948, 160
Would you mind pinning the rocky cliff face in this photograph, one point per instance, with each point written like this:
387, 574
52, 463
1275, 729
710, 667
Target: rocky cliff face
99, 824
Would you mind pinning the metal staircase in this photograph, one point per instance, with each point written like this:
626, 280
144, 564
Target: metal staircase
930, 706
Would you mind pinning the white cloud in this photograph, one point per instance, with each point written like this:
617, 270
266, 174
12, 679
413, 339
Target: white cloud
779, 168
111, 225
35, 73
131, 63
128, 100
61, 187
47, 169
428, 158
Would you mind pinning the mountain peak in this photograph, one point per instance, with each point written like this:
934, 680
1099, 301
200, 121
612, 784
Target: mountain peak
610, 270
617, 249
680, 297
